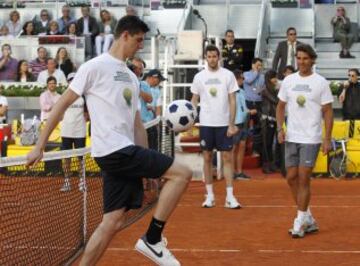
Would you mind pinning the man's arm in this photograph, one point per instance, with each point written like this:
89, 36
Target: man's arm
280, 119
250, 77
195, 100
140, 132
147, 97
55, 116
329, 120
232, 129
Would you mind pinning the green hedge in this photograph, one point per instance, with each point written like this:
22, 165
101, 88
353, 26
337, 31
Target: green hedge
27, 90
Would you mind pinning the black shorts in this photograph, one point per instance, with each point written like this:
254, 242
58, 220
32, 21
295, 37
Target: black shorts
215, 138
71, 143
123, 171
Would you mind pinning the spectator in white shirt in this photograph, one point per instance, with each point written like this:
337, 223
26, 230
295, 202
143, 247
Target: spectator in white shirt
52, 71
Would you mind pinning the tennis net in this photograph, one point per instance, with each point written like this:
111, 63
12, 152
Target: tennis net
45, 218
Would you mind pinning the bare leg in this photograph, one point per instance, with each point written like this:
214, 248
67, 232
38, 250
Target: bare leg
228, 167
208, 155
240, 157
103, 234
293, 182
304, 194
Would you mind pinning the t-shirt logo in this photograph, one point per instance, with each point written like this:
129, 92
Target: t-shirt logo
127, 94
122, 76
301, 100
213, 91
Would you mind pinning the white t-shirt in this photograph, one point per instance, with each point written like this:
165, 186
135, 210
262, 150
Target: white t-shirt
112, 94
304, 122
58, 74
214, 88
73, 124
3, 102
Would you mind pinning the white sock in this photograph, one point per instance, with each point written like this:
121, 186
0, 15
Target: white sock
301, 215
209, 190
308, 211
229, 192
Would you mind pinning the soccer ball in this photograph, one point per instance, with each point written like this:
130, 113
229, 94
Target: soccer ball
180, 115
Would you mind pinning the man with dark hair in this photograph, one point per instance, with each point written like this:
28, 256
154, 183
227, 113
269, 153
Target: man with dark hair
350, 96
307, 97
232, 52
65, 20
40, 63
8, 64
216, 87
48, 98
285, 53
119, 145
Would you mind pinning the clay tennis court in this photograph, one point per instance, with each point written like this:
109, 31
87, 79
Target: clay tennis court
256, 234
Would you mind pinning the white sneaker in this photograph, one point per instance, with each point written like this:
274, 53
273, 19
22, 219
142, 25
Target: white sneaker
298, 230
66, 187
310, 227
209, 202
232, 203
158, 253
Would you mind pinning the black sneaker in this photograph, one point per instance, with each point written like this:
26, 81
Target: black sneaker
242, 176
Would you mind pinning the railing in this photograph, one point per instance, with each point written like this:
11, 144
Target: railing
262, 34
184, 16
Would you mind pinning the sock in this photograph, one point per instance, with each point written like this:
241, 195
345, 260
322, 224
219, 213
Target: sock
301, 215
153, 234
209, 190
309, 215
229, 192
308, 211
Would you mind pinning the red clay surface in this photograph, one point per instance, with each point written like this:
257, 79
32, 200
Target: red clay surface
256, 234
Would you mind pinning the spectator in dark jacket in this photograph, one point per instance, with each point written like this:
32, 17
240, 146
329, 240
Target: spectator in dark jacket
64, 62
350, 97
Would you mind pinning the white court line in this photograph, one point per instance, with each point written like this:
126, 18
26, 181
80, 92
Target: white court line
271, 251
280, 206
281, 197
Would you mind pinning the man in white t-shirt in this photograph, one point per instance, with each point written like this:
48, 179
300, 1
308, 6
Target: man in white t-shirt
52, 71
308, 98
119, 145
73, 135
216, 87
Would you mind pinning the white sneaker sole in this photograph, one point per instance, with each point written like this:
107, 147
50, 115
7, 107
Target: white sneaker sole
144, 253
228, 206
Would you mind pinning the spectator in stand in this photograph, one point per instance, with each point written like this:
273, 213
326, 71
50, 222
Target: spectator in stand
241, 121
4, 33
288, 70
87, 26
48, 98
23, 73
52, 71
232, 52
65, 20
64, 63
42, 26
71, 29
106, 36
53, 28
28, 29
350, 96
285, 53
40, 63
268, 121
131, 11
342, 26
3, 107
8, 64
14, 24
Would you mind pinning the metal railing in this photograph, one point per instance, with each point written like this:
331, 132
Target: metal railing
262, 33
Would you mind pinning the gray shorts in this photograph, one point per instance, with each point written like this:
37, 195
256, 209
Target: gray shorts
299, 154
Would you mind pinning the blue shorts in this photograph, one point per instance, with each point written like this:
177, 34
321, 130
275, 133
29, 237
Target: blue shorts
241, 135
215, 138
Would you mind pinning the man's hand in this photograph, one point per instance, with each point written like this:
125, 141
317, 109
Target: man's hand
326, 146
281, 136
34, 156
342, 97
253, 111
232, 130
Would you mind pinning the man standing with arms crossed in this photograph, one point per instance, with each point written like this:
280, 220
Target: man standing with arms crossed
216, 87
119, 145
308, 99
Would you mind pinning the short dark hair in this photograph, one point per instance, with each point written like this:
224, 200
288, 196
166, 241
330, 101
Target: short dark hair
5, 45
132, 24
228, 31
255, 60
289, 67
270, 74
306, 48
238, 73
354, 70
51, 78
211, 48
289, 29
41, 47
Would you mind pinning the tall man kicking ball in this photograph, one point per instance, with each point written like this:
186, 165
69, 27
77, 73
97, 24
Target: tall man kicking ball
216, 87
308, 99
119, 145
